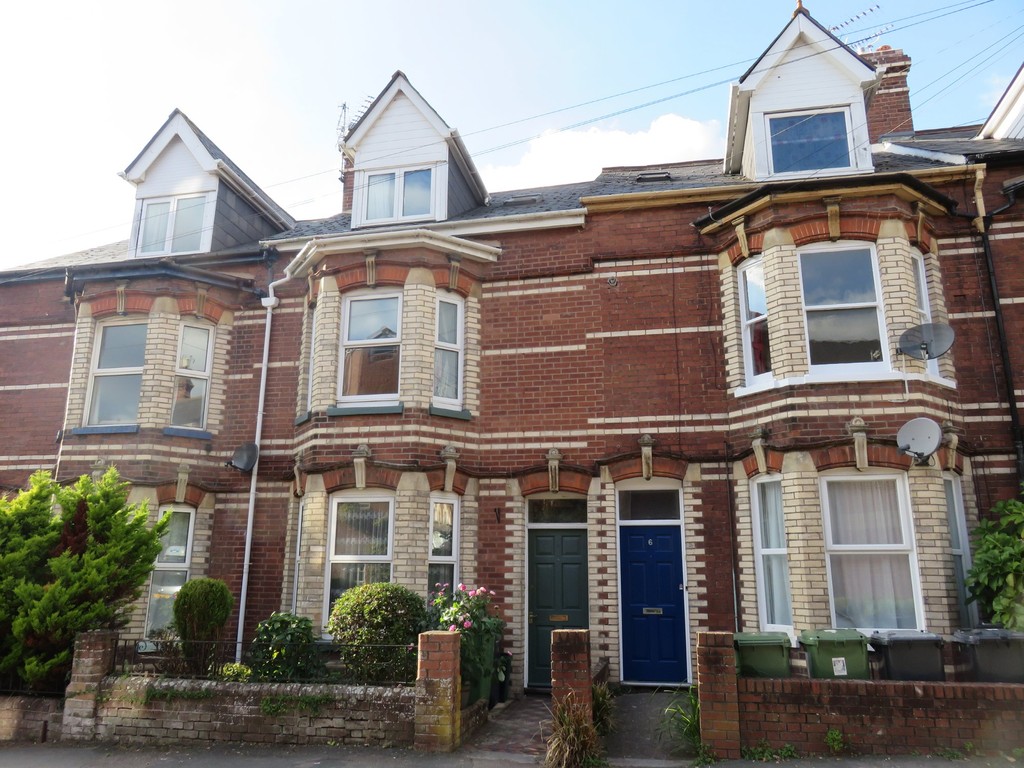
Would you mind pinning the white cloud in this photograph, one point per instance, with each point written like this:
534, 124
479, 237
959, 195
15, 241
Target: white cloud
579, 155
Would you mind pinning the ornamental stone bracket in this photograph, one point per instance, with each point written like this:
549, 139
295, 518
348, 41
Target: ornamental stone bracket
359, 457
859, 430
646, 456
450, 456
554, 456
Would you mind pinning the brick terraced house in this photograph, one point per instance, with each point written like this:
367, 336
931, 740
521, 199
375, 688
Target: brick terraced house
663, 401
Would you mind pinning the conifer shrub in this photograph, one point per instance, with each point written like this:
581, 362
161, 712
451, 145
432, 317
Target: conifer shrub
201, 609
376, 627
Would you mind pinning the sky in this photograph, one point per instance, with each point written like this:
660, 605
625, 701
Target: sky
542, 91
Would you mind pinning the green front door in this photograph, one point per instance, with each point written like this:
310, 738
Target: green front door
557, 594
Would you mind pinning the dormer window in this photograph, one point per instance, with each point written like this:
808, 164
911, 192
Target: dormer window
809, 141
399, 195
175, 224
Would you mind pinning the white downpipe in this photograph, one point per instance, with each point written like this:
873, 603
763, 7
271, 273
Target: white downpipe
270, 303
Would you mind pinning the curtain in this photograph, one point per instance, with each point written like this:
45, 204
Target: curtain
775, 563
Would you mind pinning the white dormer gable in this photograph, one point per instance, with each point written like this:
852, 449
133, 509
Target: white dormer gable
179, 177
408, 165
1007, 119
799, 111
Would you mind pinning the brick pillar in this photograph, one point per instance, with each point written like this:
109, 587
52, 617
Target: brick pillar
93, 660
439, 693
570, 667
719, 700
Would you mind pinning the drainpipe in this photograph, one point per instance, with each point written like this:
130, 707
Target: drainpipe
983, 221
270, 302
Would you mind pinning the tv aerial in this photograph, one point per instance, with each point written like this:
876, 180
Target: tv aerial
926, 341
919, 439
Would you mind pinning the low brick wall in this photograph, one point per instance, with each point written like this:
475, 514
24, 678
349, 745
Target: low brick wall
141, 710
30, 718
875, 717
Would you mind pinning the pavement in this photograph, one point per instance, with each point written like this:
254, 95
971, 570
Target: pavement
515, 735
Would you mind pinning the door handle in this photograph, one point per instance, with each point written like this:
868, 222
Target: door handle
531, 617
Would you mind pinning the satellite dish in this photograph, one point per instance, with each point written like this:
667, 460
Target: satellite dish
919, 438
244, 458
927, 341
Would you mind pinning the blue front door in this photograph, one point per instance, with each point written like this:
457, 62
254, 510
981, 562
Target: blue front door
653, 621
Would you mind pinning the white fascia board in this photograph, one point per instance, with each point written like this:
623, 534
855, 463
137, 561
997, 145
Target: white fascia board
399, 85
382, 241
1008, 112
177, 126
739, 111
897, 149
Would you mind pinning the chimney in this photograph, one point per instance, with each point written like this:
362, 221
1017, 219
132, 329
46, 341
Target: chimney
889, 100
347, 177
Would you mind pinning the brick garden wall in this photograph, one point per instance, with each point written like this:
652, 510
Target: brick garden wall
874, 717
30, 718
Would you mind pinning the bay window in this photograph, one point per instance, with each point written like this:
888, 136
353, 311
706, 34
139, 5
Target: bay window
870, 557
444, 541
359, 543
192, 377
771, 556
171, 570
448, 352
960, 551
754, 308
116, 380
371, 348
842, 307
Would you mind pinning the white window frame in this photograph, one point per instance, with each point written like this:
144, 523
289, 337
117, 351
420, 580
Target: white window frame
205, 236
907, 548
331, 558
855, 369
389, 398
761, 552
159, 566
958, 523
311, 363
398, 201
459, 348
95, 372
453, 559
840, 109
752, 379
206, 374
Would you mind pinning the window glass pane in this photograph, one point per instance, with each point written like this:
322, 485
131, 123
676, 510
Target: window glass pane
873, 591
953, 516
175, 540
189, 402
344, 576
380, 196
372, 319
161, 599
361, 528
122, 346
195, 346
558, 511
809, 142
844, 336
776, 588
648, 505
154, 227
864, 513
371, 371
447, 322
416, 200
440, 573
443, 529
753, 291
760, 349
115, 399
773, 533
446, 374
188, 224
837, 277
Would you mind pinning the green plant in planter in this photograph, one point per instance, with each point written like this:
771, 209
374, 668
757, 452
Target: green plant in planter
996, 579
467, 610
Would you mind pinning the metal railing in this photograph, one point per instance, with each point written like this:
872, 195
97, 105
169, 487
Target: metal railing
281, 663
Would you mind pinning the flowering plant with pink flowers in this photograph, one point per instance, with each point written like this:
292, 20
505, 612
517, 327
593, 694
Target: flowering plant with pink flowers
467, 610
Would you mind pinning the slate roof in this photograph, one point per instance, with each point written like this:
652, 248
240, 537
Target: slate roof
972, 148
